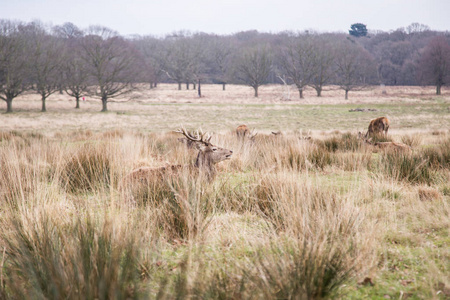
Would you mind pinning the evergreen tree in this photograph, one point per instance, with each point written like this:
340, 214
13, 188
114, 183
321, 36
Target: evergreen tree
358, 30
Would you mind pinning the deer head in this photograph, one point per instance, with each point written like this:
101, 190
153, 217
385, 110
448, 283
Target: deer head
208, 154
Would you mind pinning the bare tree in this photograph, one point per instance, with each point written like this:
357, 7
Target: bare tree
253, 67
74, 71
182, 59
354, 67
68, 31
111, 61
221, 53
434, 63
322, 61
153, 52
45, 61
13, 63
417, 28
75, 74
297, 62
176, 61
198, 70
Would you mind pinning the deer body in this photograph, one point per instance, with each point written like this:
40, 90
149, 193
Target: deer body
386, 146
242, 130
208, 156
377, 126
244, 133
392, 146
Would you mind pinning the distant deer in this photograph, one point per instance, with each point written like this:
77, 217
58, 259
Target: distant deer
386, 146
243, 131
207, 157
377, 126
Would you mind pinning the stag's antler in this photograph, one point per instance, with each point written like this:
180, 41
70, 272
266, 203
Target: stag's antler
200, 136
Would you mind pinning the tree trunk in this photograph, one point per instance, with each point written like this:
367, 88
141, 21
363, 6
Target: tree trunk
78, 102
438, 89
346, 94
319, 92
256, 91
187, 85
44, 109
301, 93
179, 86
223, 86
194, 86
9, 105
104, 104
199, 89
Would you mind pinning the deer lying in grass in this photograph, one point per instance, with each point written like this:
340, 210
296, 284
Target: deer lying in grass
386, 146
208, 156
377, 126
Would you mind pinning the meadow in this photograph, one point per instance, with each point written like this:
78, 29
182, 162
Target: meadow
285, 218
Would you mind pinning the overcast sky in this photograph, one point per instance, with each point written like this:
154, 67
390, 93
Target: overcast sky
160, 17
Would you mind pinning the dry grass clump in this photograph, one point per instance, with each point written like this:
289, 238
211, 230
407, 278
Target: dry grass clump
6, 136
25, 167
423, 166
88, 167
413, 141
86, 260
180, 203
439, 156
411, 168
345, 142
428, 194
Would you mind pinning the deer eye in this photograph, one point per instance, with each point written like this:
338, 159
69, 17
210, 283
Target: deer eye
214, 149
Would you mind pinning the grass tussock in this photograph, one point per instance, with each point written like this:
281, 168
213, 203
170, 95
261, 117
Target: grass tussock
87, 168
413, 141
411, 168
180, 204
85, 261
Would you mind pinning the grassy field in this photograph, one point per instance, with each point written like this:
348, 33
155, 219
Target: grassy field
285, 218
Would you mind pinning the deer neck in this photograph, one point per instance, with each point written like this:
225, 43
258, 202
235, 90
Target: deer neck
204, 164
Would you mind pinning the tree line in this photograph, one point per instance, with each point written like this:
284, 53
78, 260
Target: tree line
98, 62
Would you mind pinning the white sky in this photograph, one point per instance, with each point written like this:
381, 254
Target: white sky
160, 17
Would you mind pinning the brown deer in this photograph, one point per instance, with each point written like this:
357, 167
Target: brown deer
208, 156
387, 146
243, 131
377, 126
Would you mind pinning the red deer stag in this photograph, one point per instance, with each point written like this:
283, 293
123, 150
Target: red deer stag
207, 157
377, 126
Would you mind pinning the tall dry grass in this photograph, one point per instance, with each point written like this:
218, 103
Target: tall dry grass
285, 218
